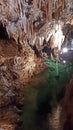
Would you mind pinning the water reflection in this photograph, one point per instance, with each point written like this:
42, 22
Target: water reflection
55, 118
67, 125
68, 105
42, 108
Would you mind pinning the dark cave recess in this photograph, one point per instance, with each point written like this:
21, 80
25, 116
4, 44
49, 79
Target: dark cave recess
3, 33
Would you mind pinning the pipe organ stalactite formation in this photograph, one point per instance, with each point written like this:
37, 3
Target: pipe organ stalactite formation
27, 15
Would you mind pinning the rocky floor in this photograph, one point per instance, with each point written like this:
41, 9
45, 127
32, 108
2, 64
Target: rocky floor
11, 102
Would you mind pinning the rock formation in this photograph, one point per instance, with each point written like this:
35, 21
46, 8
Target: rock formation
26, 27
68, 105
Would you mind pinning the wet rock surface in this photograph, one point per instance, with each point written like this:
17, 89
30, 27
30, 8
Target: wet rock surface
19, 62
68, 106
17, 67
10, 99
15, 70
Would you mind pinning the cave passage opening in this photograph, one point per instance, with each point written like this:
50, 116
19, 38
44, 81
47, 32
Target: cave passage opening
3, 33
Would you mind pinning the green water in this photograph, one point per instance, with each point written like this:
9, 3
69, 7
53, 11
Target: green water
42, 98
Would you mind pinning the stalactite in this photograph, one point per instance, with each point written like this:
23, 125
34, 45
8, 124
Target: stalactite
13, 15
20, 4
35, 3
40, 4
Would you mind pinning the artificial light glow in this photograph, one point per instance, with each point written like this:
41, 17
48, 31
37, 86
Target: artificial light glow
65, 50
64, 61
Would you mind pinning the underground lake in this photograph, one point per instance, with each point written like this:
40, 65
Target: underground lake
43, 103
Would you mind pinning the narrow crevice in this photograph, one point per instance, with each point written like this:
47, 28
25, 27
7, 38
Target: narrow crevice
3, 33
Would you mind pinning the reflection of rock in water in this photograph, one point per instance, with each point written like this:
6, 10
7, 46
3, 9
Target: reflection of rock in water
55, 118
68, 103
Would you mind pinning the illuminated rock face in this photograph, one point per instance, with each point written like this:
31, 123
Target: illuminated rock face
11, 17
23, 21
16, 68
18, 16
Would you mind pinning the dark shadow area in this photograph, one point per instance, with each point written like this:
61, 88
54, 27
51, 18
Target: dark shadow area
44, 107
67, 125
3, 33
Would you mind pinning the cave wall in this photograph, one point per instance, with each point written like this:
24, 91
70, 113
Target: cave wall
18, 16
12, 16
19, 66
